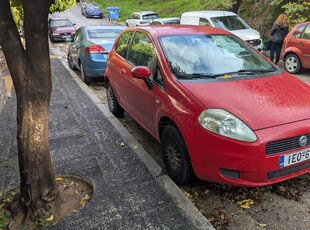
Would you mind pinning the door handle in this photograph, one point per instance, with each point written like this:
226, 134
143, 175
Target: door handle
301, 43
123, 71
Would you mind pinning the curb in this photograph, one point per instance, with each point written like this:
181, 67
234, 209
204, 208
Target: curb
182, 202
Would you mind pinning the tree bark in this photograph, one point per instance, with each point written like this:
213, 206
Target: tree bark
235, 7
31, 74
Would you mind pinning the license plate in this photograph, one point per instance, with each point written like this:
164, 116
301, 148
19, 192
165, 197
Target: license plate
67, 36
294, 158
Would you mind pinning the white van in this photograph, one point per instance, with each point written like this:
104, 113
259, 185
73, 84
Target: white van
225, 20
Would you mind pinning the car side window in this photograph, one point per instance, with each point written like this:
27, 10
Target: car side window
306, 34
78, 36
204, 22
142, 50
299, 31
142, 53
122, 44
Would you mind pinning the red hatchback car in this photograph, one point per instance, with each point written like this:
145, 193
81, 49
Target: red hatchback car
219, 108
296, 48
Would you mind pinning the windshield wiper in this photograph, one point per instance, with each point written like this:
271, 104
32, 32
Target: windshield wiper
197, 75
252, 71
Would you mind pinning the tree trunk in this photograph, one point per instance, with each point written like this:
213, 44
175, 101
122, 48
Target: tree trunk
31, 74
235, 7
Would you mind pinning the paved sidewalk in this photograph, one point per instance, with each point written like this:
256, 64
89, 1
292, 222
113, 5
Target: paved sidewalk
129, 190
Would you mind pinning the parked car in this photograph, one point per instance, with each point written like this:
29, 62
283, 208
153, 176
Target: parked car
89, 50
164, 21
296, 48
142, 18
220, 109
91, 10
225, 20
60, 29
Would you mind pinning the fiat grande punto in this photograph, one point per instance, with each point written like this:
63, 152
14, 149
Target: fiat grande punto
221, 111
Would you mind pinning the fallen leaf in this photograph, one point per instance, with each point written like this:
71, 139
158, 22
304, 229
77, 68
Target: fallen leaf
262, 225
66, 185
59, 179
222, 216
135, 146
13, 193
50, 218
1, 206
122, 144
84, 200
188, 195
245, 203
82, 134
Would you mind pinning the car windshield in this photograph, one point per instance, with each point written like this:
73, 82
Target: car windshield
193, 56
61, 23
103, 33
92, 6
229, 23
172, 21
150, 16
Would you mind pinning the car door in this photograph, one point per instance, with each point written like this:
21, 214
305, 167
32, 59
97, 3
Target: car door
304, 46
118, 66
75, 47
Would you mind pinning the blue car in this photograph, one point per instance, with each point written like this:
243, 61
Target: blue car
91, 10
89, 50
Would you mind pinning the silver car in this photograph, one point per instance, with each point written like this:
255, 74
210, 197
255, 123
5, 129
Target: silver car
141, 18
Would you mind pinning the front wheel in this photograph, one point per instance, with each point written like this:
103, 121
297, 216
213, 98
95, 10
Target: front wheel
292, 63
176, 157
87, 80
113, 105
70, 62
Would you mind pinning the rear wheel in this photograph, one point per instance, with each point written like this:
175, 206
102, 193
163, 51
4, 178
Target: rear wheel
113, 105
176, 157
292, 63
87, 80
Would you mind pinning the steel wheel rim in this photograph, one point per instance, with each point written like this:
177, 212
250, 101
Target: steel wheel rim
291, 64
172, 154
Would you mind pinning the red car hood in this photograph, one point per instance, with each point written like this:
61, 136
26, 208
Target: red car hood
260, 102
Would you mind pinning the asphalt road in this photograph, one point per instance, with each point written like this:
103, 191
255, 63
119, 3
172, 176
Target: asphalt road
277, 213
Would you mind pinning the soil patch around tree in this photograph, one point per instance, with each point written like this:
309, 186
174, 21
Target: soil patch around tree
74, 192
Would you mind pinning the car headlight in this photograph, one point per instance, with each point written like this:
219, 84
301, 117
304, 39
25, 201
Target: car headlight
224, 123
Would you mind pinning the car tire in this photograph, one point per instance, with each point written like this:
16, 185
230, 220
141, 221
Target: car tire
52, 39
70, 63
127, 25
113, 105
176, 157
87, 80
292, 64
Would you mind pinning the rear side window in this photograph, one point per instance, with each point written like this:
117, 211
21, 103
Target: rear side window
299, 31
306, 34
122, 44
204, 22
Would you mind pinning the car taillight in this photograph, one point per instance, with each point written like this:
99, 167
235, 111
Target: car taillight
143, 22
93, 49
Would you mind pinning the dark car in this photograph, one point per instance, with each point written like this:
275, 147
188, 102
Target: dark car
91, 10
61, 29
220, 110
296, 48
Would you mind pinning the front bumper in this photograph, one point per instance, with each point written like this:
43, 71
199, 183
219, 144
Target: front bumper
224, 160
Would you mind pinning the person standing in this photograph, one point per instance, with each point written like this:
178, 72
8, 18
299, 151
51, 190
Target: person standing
278, 33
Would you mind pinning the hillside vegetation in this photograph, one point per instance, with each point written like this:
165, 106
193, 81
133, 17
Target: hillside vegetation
259, 16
